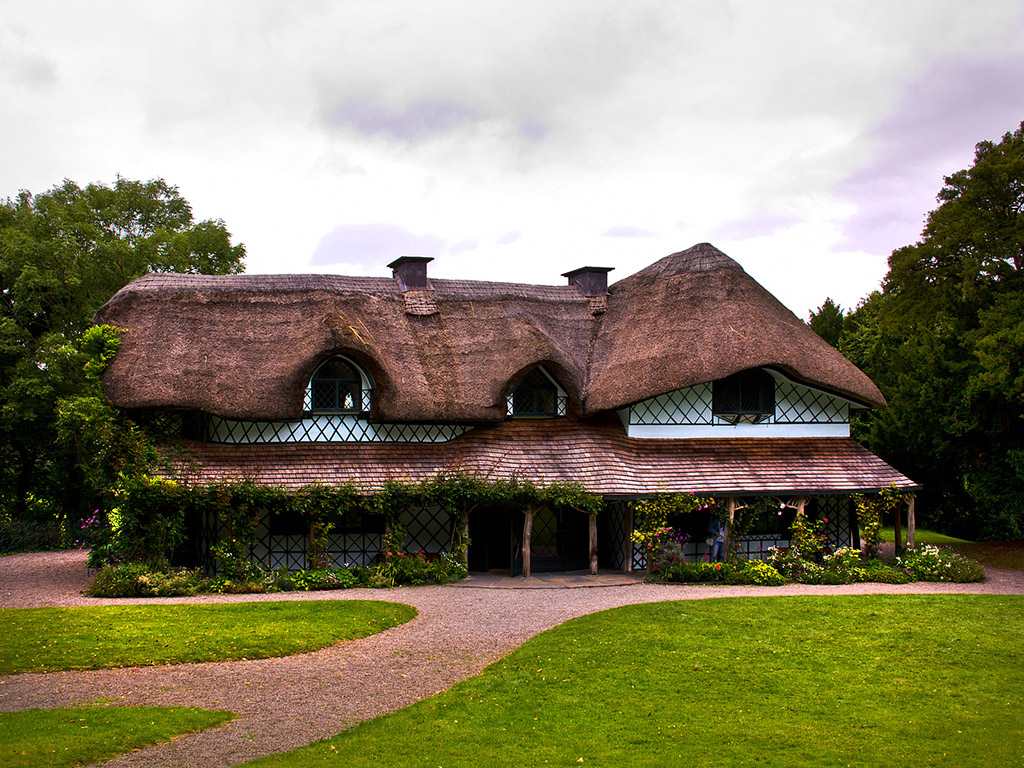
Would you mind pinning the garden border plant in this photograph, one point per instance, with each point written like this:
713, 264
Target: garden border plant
807, 561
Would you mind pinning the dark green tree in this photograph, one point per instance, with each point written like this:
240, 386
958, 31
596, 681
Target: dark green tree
944, 340
63, 253
828, 321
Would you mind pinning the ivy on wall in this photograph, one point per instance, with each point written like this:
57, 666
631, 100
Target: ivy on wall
149, 522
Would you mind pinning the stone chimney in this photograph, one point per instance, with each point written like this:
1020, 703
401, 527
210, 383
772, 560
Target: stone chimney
592, 281
411, 273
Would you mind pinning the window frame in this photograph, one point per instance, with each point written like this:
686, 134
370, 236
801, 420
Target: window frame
359, 387
559, 398
733, 396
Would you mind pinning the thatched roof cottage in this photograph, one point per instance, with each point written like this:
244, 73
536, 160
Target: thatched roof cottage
687, 376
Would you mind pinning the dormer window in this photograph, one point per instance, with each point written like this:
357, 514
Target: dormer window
338, 386
537, 396
747, 397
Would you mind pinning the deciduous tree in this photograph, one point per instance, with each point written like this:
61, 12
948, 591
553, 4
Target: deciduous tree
944, 340
63, 253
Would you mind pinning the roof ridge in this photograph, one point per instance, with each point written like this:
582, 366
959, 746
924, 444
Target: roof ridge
702, 257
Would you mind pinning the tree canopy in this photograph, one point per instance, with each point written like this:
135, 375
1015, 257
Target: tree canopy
63, 253
944, 340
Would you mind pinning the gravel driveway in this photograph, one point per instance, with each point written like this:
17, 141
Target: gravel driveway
288, 702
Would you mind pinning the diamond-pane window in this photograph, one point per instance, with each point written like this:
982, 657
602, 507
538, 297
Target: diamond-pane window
747, 397
336, 387
537, 396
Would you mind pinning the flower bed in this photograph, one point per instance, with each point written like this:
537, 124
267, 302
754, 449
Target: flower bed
139, 580
844, 566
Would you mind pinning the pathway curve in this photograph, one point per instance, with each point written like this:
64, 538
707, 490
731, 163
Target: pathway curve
288, 702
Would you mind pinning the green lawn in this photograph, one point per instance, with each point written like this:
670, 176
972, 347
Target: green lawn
52, 738
921, 536
993, 554
922, 680
996, 554
50, 639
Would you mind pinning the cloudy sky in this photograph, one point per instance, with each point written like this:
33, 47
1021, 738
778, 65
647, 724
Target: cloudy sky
519, 140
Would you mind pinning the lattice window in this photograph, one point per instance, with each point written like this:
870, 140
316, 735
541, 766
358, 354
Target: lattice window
837, 529
690, 405
614, 541
428, 529
336, 387
747, 397
544, 534
357, 542
327, 429
798, 404
538, 395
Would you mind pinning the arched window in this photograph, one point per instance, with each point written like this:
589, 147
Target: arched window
336, 387
537, 396
747, 397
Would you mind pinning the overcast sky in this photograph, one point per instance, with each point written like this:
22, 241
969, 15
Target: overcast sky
519, 140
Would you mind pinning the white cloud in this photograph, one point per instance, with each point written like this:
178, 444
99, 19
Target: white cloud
768, 128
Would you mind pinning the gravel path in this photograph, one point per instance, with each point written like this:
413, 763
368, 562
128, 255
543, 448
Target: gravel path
288, 702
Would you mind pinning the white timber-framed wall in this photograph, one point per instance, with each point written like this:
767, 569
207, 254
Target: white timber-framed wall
800, 411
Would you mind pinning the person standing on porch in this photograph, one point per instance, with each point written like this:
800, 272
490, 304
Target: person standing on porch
716, 540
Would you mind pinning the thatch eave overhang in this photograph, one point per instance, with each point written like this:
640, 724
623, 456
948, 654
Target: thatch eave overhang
696, 316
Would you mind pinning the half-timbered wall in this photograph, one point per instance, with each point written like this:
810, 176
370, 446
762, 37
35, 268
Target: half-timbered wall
799, 411
326, 429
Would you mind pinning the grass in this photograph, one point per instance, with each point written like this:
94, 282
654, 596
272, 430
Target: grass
52, 639
992, 554
53, 738
996, 554
924, 680
921, 536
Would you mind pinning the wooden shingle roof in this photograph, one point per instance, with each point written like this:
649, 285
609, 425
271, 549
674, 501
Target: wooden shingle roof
598, 455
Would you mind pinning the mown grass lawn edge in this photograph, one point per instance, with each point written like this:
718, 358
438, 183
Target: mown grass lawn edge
55, 738
56, 639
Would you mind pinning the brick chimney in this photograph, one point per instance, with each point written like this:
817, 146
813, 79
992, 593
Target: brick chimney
411, 273
592, 281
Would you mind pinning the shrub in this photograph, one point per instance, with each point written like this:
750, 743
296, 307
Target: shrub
222, 585
876, 570
931, 563
324, 578
665, 548
139, 580
790, 563
755, 572
693, 572
399, 569
117, 580
816, 574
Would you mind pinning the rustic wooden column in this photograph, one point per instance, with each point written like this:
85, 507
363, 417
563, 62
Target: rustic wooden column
527, 532
464, 523
898, 529
801, 502
730, 504
854, 525
911, 523
593, 545
629, 539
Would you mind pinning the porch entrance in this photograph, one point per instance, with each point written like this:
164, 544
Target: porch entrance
559, 541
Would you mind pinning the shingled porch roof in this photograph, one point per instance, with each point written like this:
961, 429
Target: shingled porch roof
597, 455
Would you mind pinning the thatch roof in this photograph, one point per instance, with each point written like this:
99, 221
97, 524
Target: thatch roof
696, 316
244, 346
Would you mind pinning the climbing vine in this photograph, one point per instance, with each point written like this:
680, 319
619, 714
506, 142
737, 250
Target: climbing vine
871, 511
